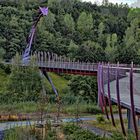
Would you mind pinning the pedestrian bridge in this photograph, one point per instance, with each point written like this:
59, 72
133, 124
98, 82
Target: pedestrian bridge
106, 75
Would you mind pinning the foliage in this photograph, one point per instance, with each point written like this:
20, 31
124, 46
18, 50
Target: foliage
69, 23
74, 132
119, 136
93, 109
85, 87
23, 134
24, 82
73, 28
85, 23
18, 134
100, 118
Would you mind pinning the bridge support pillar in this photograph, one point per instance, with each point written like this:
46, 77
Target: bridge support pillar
138, 121
130, 121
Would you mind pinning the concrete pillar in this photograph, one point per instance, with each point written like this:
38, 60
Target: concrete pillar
138, 121
130, 121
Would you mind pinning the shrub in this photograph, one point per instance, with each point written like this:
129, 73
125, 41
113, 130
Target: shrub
100, 118
74, 132
70, 129
119, 136
93, 109
51, 135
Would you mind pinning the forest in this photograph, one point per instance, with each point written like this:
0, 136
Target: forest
80, 30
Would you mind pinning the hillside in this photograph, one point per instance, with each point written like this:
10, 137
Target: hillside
59, 82
80, 30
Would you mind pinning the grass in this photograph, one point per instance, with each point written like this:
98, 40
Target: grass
3, 79
107, 125
32, 107
24, 107
59, 82
67, 131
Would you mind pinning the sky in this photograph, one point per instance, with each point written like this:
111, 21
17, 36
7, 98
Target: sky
117, 1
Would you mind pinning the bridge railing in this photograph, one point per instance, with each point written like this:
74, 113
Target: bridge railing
51, 60
110, 77
68, 65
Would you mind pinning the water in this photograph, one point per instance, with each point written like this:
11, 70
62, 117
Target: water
77, 120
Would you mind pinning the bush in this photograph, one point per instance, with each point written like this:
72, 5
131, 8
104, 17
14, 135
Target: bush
68, 99
119, 136
51, 135
70, 129
100, 118
93, 109
74, 132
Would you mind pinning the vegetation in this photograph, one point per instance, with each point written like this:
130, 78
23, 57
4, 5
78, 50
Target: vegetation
85, 31
31, 107
74, 132
100, 118
82, 31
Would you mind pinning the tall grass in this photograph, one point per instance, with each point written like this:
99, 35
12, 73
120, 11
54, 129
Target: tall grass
18, 134
32, 107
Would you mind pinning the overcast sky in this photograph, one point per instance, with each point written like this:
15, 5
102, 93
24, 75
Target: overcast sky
116, 1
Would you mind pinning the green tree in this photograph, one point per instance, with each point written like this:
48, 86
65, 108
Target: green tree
105, 2
85, 23
72, 48
101, 29
111, 48
24, 82
131, 51
85, 87
90, 51
49, 21
69, 23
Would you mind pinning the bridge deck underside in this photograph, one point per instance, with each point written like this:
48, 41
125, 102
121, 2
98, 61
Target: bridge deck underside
70, 71
125, 91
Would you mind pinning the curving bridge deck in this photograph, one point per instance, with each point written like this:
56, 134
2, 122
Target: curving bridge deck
125, 91
69, 67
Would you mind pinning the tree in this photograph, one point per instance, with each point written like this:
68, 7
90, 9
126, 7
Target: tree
49, 21
101, 29
69, 23
132, 42
111, 48
85, 23
72, 48
2, 53
90, 51
24, 82
105, 2
85, 87
101, 35
114, 40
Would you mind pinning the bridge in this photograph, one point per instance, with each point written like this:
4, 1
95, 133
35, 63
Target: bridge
51, 62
